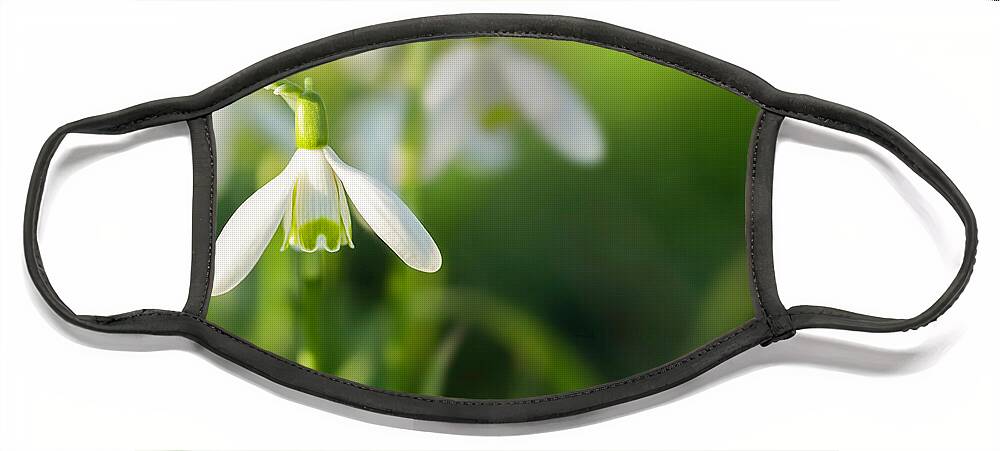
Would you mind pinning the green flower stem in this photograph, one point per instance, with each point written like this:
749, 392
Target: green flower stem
538, 349
274, 328
324, 309
417, 330
361, 362
437, 373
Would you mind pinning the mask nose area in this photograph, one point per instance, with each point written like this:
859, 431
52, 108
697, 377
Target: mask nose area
855, 228
115, 222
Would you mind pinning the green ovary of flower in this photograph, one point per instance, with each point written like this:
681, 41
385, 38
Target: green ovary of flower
497, 116
311, 236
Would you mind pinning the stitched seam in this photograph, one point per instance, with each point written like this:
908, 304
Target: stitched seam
211, 220
753, 223
663, 370
837, 314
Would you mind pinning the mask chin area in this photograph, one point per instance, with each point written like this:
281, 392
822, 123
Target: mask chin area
856, 229
115, 224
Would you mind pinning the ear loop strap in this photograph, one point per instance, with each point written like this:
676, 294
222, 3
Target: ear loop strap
855, 122
139, 117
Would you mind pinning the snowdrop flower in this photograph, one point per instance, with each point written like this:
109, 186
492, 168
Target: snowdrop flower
308, 199
475, 90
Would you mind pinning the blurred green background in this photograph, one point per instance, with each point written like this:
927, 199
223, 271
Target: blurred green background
557, 276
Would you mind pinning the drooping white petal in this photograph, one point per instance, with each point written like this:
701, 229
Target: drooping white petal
388, 216
551, 104
248, 231
345, 211
293, 169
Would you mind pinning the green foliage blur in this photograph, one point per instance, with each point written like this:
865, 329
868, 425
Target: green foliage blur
557, 276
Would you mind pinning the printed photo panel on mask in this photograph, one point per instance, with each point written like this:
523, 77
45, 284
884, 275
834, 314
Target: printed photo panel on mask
483, 217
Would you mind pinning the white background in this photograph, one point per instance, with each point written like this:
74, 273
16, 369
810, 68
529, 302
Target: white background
852, 228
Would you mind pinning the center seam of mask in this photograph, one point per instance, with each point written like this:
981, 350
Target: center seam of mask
753, 222
211, 218
653, 373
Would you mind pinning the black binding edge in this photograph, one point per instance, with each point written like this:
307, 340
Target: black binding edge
203, 216
760, 181
769, 324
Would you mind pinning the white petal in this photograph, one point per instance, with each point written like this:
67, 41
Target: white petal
249, 230
345, 211
546, 98
293, 169
286, 221
388, 216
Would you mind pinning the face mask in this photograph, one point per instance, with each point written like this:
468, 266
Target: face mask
486, 218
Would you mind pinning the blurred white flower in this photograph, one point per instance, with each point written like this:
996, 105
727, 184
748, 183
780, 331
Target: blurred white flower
374, 132
308, 198
473, 92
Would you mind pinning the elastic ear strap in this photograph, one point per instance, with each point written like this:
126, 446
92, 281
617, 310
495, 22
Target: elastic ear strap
32, 209
858, 123
113, 123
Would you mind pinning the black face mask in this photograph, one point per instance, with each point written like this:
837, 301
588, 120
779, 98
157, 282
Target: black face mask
486, 218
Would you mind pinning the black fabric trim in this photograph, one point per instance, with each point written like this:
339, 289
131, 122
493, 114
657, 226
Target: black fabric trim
432, 408
203, 216
760, 181
766, 327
